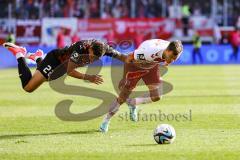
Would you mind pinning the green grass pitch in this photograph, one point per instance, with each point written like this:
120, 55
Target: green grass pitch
29, 128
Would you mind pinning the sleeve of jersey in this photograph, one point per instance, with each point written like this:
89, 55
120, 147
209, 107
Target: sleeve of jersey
75, 57
142, 54
144, 51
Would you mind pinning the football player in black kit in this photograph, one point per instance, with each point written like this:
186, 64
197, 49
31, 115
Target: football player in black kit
74, 55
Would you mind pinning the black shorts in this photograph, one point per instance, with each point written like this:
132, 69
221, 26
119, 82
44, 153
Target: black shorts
48, 64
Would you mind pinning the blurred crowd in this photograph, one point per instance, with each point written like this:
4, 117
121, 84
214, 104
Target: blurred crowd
35, 9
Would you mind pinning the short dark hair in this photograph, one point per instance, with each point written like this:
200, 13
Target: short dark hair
176, 47
98, 48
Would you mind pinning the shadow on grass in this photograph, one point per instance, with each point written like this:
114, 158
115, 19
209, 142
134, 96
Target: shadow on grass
142, 145
46, 134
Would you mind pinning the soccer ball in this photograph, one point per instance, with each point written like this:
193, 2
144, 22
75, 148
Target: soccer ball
164, 134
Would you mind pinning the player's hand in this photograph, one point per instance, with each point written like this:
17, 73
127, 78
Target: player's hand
97, 79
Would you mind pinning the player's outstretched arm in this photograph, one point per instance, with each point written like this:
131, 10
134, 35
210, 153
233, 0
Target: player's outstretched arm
117, 55
71, 71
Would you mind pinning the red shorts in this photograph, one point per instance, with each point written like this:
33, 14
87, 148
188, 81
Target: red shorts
152, 77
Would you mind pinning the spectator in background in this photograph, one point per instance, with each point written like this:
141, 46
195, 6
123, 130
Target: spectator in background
217, 34
61, 38
68, 8
197, 43
235, 42
117, 12
151, 9
140, 11
174, 11
19, 10
79, 8
185, 18
125, 13
93, 9
238, 23
55, 9
196, 10
107, 12
75, 38
32, 8
11, 38
225, 38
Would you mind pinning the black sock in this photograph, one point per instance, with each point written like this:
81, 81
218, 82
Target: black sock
24, 72
39, 60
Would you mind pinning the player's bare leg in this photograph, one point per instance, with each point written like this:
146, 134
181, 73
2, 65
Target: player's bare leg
114, 107
29, 82
155, 92
153, 96
36, 80
126, 88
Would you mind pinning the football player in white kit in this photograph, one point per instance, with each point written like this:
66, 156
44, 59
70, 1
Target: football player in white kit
145, 61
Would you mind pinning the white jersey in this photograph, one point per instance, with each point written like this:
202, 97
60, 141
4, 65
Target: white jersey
151, 50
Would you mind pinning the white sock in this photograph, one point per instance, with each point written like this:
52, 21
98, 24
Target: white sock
139, 100
19, 55
36, 57
146, 98
113, 108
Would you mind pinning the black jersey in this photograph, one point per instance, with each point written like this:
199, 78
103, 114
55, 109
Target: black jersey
78, 52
